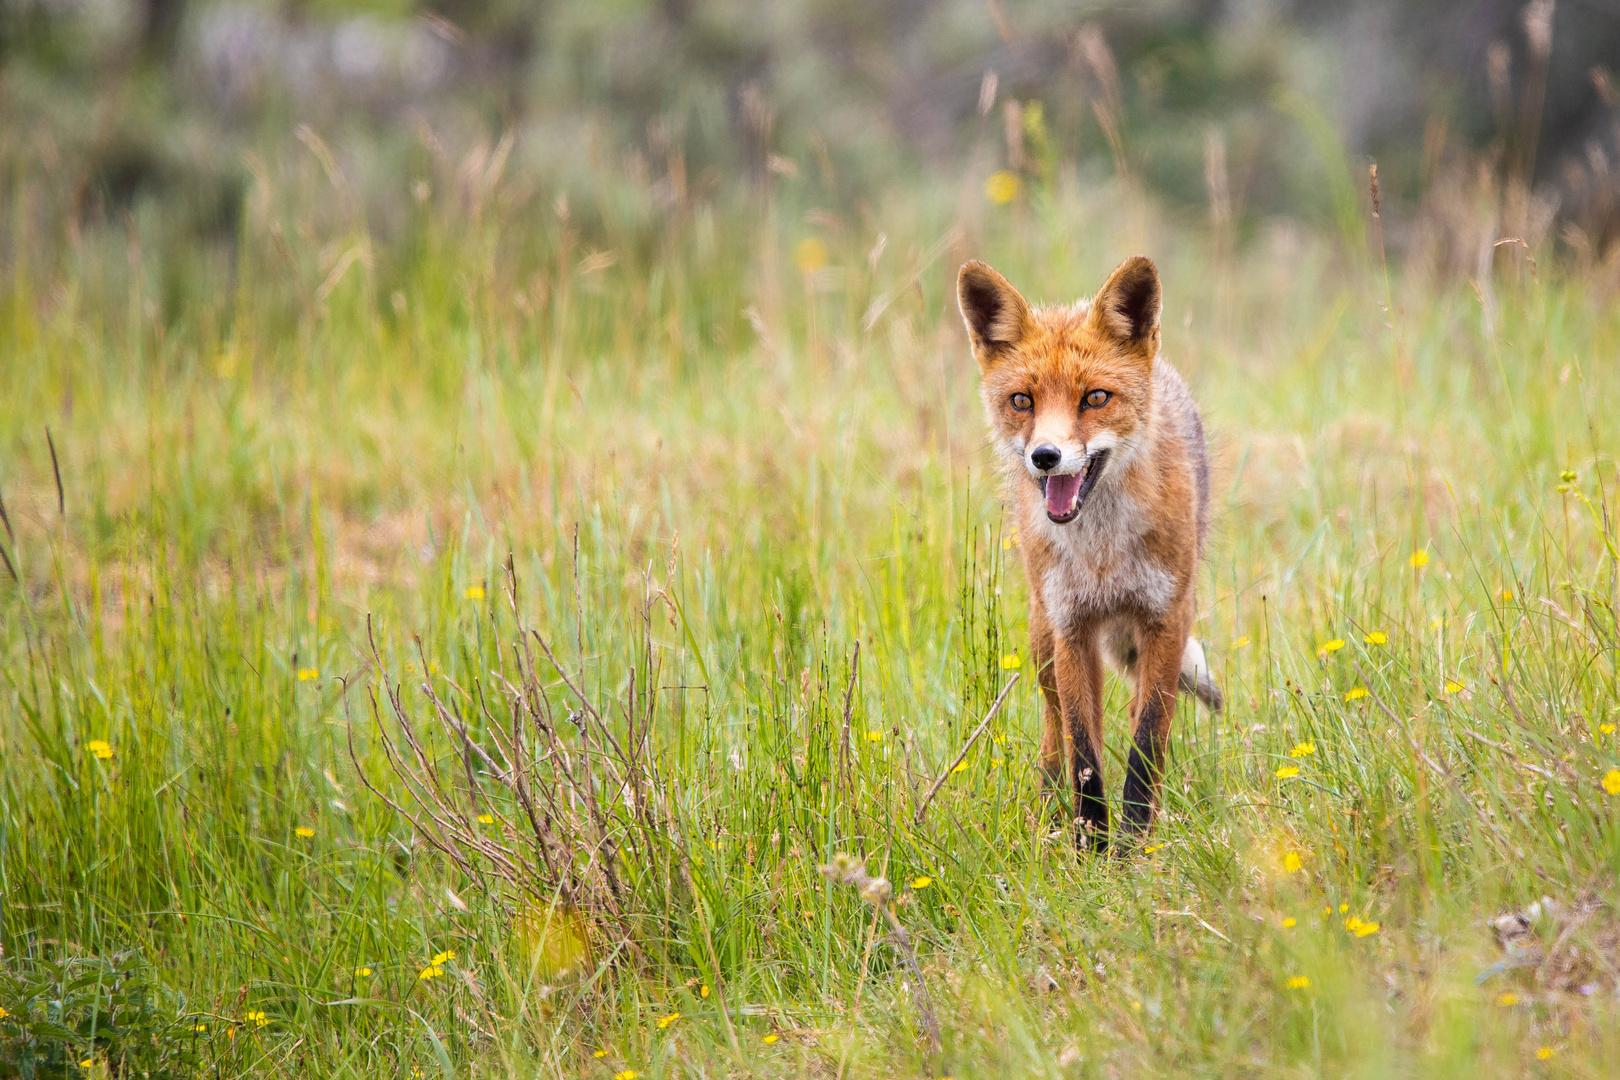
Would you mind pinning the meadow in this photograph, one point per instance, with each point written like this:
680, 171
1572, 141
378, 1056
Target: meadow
448, 640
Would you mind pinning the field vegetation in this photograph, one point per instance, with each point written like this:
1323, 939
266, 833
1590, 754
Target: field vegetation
449, 633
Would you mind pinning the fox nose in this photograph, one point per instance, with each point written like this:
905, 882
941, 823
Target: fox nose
1045, 456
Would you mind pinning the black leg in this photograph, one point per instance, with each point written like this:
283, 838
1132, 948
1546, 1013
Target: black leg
1143, 771
1090, 803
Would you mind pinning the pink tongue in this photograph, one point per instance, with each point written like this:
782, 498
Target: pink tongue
1060, 493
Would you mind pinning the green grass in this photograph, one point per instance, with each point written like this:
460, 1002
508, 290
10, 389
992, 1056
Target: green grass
289, 470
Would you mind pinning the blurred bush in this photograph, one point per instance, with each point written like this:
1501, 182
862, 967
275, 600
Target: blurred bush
1255, 109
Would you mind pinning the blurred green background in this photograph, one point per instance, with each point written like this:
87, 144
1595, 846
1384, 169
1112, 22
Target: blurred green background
125, 106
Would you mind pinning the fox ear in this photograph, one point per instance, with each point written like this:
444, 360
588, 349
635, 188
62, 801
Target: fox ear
995, 314
1127, 307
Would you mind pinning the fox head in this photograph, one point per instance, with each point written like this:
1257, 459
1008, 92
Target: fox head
1068, 390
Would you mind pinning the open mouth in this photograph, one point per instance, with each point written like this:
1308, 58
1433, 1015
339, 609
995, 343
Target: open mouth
1065, 495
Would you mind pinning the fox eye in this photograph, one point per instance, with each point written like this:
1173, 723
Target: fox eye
1097, 399
1023, 402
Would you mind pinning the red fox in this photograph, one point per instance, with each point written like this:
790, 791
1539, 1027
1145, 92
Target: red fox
1108, 477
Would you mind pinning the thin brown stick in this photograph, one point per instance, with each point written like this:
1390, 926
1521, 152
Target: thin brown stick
922, 809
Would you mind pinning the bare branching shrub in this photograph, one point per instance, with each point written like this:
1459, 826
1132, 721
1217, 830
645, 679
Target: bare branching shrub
527, 779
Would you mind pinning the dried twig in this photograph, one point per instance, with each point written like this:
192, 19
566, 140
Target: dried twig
922, 808
877, 891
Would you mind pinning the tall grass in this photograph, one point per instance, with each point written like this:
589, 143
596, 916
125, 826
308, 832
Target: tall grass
740, 483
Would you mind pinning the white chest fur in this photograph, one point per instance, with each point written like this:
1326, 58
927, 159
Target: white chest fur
1100, 564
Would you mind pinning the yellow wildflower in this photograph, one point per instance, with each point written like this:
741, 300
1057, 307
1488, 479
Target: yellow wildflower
599, 1054
960, 766
1343, 908
665, 1021
810, 255
99, 748
1453, 686
258, 1019
921, 882
770, 1039
1607, 729
1377, 637
1332, 646
1298, 982
86, 1063
1356, 693
308, 673
1010, 540
1292, 863
1002, 187
1242, 642
1290, 922
304, 831
1567, 476
432, 971
475, 592
199, 1027
3, 1013
444, 957
874, 735
363, 972
1543, 1053
1611, 782
486, 819
628, 1074
1011, 661
1505, 594
1507, 999
1304, 749
1287, 771
1419, 558
1356, 926
1151, 850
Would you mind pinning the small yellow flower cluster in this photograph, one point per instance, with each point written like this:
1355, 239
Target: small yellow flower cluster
1287, 772
1360, 928
1356, 693
1011, 661
1543, 1053
1304, 749
921, 882
1454, 687
1299, 982
1611, 782
1607, 729
810, 255
665, 1021
875, 735
1152, 848
486, 819
308, 673
475, 592
1002, 187
1419, 558
1290, 922
1327, 647
628, 1074
304, 831
1377, 637
257, 1019
770, 1039
1292, 863
960, 766
363, 972
1243, 642
99, 748
1507, 1000
432, 971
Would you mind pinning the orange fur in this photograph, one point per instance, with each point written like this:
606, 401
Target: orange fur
1078, 398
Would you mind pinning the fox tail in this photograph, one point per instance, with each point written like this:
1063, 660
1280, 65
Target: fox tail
1195, 676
